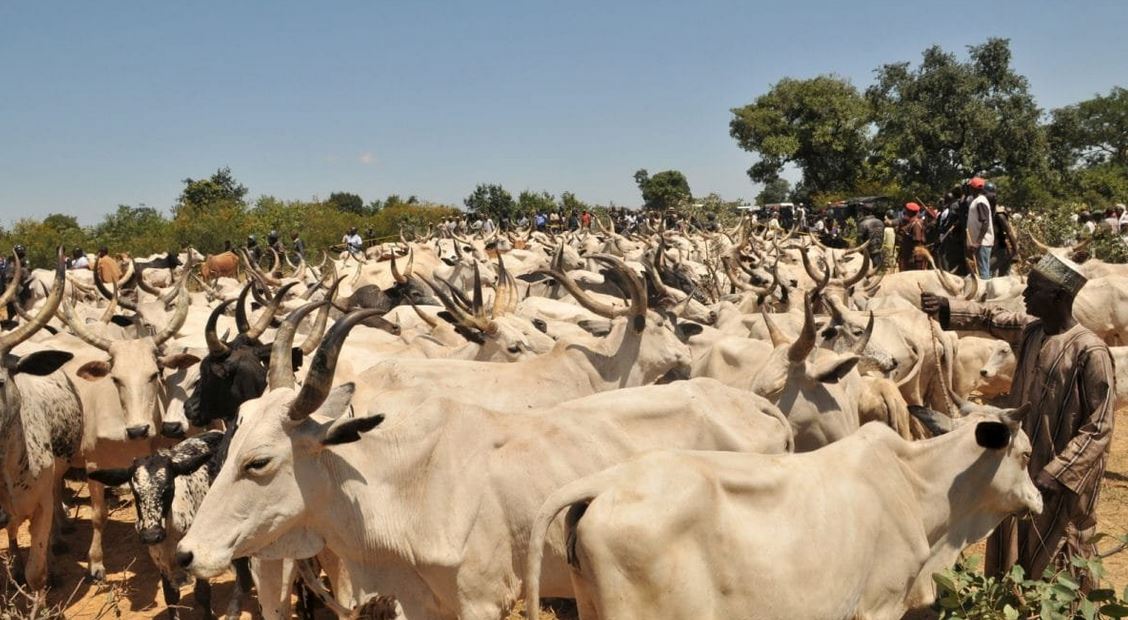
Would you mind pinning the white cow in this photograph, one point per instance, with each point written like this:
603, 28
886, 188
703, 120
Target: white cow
854, 530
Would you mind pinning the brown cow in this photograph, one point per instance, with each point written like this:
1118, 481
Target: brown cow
220, 265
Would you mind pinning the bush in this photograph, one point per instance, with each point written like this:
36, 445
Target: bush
965, 593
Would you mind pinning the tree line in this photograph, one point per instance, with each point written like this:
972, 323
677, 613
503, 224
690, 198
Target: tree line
918, 131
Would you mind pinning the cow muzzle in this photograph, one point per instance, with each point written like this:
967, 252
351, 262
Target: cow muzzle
173, 430
152, 535
137, 432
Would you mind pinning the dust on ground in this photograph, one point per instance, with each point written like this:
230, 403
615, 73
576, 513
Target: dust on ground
133, 590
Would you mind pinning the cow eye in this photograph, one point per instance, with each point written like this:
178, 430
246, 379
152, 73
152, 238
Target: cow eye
258, 464
515, 348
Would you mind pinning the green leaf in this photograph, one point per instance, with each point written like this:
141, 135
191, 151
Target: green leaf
1010, 613
1068, 582
1103, 594
1115, 610
945, 582
1088, 610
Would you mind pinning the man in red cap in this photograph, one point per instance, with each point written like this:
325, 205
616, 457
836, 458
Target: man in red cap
911, 233
980, 227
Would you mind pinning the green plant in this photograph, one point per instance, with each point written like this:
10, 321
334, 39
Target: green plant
966, 593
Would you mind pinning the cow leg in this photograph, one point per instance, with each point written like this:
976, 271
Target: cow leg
171, 597
97, 570
40, 530
14, 552
60, 523
239, 590
202, 594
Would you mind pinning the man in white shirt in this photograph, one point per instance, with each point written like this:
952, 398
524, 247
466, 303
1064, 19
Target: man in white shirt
353, 242
980, 227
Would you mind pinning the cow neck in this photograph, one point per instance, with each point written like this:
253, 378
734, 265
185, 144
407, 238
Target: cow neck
607, 361
947, 474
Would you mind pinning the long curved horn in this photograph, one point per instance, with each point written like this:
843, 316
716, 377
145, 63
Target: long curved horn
281, 371
777, 337
127, 276
580, 296
803, 345
182, 282
1041, 246
178, 318
396, 275
635, 286
111, 307
860, 248
276, 265
863, 271
817, 277
320, 376
101, 286
14, 283
861, 345
241, 322
141, 283
216, 346
505, 293
309, 345
24, 331
268, 315
432, 323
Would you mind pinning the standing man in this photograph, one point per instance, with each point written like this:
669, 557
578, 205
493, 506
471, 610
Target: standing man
911, 237
980, 227
353, 242
1065, 374
872, 230
297, 246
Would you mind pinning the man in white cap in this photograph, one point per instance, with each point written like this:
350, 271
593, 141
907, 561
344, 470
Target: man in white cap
1065, 373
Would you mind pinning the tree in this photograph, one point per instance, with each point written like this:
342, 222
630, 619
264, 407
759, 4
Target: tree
347, 203
569, 203
142, 230
492, 200
666, 190
818, 125
775, 190
529, 202
1092, 132
220, 188
947, 120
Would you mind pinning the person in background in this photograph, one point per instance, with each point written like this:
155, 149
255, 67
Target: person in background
1006, 242
585, 220
253, 249
353, 242
1122, 215
274, 243
911, 237
79, 260
980, 227
1065, 375
1112, 220
872, 231
297, 246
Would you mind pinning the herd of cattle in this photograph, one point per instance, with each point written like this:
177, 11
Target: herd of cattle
616, 419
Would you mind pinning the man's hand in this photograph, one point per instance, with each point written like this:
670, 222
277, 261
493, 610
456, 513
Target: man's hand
932, 304
1048, 485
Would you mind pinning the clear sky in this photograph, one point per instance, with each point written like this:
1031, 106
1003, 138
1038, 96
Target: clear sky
103, 103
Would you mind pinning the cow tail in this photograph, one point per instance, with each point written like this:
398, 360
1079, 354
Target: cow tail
583, 491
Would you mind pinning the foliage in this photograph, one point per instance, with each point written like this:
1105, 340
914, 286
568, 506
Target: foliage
1091, 132
964, 592
947, 120
492, 200
775, 190
819, 125
347, 202
569, 203
529, 202
199, 195
140, 230
668, 189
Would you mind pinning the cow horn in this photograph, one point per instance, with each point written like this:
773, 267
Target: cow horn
505, 293
281, 371
1041, 246
453, 308
396, 275
432, 323
168, 296
635, 286
276, 264
101, 286
9, 340
777, 337
803, 345
579, 295
973, 287
860, 248
320, 376
141, 283
268, 315
862, 272
940, 275
310, 344
861, 345
241, 322
216, 346
14, 283
937, 423
111, 307
817, 277
178, 317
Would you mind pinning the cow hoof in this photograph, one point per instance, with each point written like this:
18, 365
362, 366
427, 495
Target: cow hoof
97, 575
60, 547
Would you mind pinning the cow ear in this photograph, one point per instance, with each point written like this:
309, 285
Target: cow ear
1017, 417
177, 360
348, 430
992, 435
42, 363
937, 423
92, 371
688, 330
596, 327
110, 477
833, 371
337, 403
296, 358
121, 320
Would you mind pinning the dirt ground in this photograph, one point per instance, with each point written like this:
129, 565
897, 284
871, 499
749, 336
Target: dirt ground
133, 591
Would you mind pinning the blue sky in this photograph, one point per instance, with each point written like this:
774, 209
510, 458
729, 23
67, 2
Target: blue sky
110, 103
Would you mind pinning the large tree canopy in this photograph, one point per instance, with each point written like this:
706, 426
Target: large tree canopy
947, 120
818, 125
492, 200
665, 190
